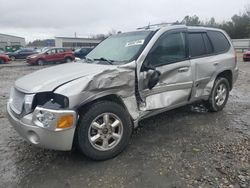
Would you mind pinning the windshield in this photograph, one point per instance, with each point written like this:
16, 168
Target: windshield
120, 48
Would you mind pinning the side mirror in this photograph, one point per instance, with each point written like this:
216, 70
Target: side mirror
154, 79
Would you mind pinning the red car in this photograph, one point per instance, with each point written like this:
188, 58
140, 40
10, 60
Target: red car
4, 58
246, 56
51, 55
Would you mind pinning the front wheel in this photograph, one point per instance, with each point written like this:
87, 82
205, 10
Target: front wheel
219, 95
40, 62
104, 130
12, 58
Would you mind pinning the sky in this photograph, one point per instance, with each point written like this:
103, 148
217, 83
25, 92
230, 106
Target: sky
41, 19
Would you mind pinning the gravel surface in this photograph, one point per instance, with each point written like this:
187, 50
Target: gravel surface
186, 147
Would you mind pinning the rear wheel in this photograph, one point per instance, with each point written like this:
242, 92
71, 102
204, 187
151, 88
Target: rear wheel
68, 60
219, 95
104, 130
1, 61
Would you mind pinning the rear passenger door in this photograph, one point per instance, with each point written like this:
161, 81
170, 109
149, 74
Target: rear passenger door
60, 54
208, 55
202, 62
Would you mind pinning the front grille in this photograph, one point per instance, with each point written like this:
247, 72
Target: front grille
17, 101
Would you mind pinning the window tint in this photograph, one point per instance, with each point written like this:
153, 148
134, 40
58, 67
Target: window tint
208, 44
170, 48
196, 45
60, 50
52, 51
219, 41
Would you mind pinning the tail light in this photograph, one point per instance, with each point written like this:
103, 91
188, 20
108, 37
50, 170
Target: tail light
235, 57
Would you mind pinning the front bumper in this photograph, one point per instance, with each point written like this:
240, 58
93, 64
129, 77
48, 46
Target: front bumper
31, 60
42, 137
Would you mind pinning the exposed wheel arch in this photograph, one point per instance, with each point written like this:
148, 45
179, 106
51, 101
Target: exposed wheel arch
110, 97
40, 59
228, 75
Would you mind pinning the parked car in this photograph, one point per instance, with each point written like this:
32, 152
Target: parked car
4, 58
21, 54
96, 103
2, 52
246, 56
82, 52
51, 55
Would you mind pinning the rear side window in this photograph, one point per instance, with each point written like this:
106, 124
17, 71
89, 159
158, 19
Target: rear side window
219, 41
197, 46
60, 50
208, 44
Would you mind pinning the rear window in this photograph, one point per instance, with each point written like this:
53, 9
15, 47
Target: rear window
219, 41
196, 45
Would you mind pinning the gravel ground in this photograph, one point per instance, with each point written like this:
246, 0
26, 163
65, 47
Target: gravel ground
186, 147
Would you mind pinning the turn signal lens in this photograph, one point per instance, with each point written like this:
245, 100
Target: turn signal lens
65, 122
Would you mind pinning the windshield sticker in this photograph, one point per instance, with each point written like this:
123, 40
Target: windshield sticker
135, 43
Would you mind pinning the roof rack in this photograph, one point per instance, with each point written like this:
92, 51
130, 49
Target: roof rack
150, 26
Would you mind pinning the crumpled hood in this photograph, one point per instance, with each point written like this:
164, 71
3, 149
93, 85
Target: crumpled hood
50, 78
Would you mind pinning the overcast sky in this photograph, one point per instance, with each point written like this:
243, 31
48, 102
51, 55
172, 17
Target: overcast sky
40, 19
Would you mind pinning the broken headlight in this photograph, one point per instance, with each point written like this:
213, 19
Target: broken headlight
50, 100
28, 100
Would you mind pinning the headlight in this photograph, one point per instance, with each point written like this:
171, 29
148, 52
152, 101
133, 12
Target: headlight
54, 120
45, 118
28, 100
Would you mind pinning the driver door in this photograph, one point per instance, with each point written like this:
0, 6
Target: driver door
168, 56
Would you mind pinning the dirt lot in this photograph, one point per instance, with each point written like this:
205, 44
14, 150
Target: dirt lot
187, 147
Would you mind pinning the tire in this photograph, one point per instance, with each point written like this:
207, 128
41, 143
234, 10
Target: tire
1, 61
68, 60
96, 115
40, 62
219, 95
12, 58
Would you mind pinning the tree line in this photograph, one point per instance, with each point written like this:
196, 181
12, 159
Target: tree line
237, 28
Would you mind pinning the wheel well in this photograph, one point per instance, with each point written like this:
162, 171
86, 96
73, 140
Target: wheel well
68, 57
228, 75
112, 98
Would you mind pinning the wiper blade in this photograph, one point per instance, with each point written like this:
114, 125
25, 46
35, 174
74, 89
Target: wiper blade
88, 59
104, 59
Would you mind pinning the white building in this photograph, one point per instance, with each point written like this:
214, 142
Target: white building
241, 44
10, 40
72, 42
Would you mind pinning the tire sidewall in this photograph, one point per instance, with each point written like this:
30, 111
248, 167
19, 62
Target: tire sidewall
12, 58
68, 58
83, 127
212, 101
40, 61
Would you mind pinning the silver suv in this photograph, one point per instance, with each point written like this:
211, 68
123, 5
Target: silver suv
96, 103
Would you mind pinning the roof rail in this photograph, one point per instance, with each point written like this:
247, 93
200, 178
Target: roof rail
150, 26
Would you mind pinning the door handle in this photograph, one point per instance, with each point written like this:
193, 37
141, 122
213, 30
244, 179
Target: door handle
183, 69
216, 64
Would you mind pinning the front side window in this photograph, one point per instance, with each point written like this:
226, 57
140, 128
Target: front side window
121, 48
168, 49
